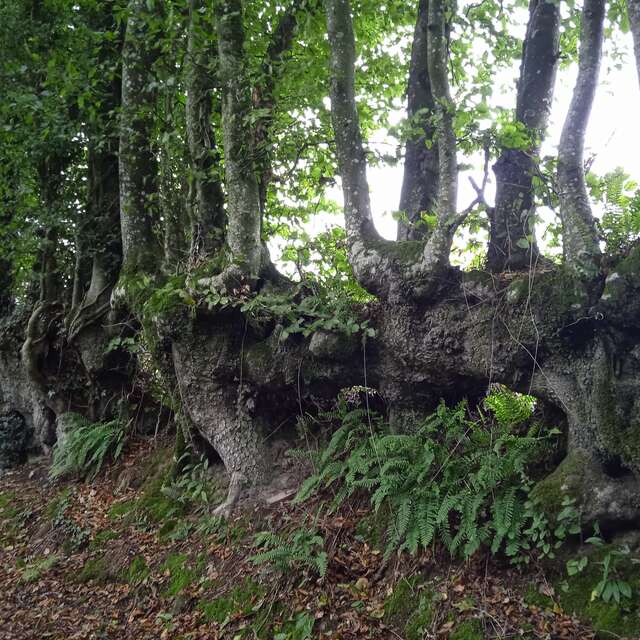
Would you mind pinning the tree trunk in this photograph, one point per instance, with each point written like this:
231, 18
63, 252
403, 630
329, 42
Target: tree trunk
138, 166
530, 335
207, 217
243, 201
512, 243
420, 180
579, 235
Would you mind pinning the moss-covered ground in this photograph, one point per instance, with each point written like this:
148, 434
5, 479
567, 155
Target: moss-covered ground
144, 565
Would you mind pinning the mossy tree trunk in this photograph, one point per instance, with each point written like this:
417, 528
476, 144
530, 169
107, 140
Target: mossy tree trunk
207, 207
138, 171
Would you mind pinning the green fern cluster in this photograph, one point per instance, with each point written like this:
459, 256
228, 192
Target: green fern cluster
303, 548
454, 479
86, 446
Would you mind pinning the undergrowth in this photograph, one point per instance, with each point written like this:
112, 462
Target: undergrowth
456, 479
86, 447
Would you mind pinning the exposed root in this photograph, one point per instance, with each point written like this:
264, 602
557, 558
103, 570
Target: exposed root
236, 485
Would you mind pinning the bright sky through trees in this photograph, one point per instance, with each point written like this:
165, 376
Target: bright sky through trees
613, 135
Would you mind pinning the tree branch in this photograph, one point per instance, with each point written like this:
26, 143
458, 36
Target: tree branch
420, 180
580, 239
346, 123
512, 236
436, 253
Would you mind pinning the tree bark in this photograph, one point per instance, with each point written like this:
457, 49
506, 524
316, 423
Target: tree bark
138, 165
392, 271
579, 234
207, 213
530, 335
512, 243
420, 180
243, 201
100, 231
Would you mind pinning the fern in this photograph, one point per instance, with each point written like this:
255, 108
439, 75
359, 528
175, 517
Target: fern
304, 548
457, 480
86, 446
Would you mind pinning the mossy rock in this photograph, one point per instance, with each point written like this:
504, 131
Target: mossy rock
566, 481
467, 630
410, 608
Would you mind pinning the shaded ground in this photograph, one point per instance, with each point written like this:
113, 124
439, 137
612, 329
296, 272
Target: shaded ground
117, 558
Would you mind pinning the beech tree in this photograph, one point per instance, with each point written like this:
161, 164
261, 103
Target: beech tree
151, 163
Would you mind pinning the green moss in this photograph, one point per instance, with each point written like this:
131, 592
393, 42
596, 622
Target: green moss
565, 481
137, 572
467, 630
409, 608
533, 597
37, 568
152, 505
239, 601
620, 435
58, 505
121, 509
94, 570
182, 573
405, 252
102, 537
558, 293
517, 291
9, 518
608, 619
8, 509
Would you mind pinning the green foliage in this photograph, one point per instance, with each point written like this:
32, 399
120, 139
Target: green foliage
137, 571
467, 630
94, 570
611, 585
410, 607
619, 198
301, 549
192, 486
182, 573
461, 481
598, 572
239, 601
301, 628
86, 446
35, 569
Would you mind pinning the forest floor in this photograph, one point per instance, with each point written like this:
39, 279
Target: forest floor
118, 559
